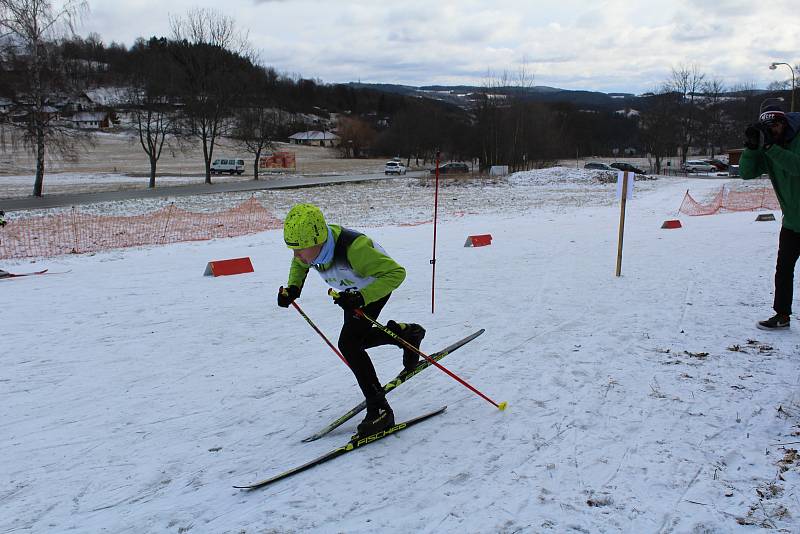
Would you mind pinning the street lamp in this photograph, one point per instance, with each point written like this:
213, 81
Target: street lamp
775, 66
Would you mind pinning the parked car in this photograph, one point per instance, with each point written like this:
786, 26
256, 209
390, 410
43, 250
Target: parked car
452, 168
231, 166
697, 165
719, 165
394, 167
599, 166
623, 166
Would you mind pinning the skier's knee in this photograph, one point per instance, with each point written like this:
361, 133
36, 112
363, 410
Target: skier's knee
348, 347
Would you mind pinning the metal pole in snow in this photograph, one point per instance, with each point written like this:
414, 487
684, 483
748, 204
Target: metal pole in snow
435, 217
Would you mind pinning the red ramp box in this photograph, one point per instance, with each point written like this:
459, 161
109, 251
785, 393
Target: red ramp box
228, 267
670, 225
478, 240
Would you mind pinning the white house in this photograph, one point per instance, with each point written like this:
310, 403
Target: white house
628, 113
91, 120
108, 96
315, 138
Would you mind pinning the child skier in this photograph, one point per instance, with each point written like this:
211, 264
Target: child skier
365, 276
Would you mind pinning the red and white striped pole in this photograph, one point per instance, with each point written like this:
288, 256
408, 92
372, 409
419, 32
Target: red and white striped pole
435, 218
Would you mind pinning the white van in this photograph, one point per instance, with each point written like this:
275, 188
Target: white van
231, 166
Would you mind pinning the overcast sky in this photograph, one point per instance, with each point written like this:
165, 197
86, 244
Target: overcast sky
616, 45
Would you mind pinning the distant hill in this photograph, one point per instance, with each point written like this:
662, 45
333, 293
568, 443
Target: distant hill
461, 95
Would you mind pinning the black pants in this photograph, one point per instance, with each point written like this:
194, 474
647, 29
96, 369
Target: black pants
356, 336
788, 252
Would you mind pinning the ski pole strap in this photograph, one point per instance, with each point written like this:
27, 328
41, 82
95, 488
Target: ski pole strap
359, 312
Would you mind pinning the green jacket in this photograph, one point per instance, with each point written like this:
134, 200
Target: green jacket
367, 269
783, 167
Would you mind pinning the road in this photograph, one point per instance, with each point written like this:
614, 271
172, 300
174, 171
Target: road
62, 200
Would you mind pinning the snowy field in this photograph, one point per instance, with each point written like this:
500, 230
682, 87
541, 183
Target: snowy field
116, 159
20, 186
137, 392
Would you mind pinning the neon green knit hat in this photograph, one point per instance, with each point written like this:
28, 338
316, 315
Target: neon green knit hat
304, 227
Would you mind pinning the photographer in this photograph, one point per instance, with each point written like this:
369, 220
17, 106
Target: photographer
773, 148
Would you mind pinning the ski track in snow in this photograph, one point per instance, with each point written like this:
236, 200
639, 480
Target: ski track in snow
137, 392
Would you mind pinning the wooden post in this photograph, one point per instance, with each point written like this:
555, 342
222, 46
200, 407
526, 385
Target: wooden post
622, 221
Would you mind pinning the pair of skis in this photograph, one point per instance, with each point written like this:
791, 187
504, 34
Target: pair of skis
359, 441
6, 274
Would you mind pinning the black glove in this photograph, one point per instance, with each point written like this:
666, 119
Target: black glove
287, 295
349, 300
757, 136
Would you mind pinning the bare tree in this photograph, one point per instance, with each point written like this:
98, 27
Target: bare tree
257, 127
152, 94
745, 109
31, 27
524, 122
212, 54
660, 126
687, 82
489, 113
355, 137
155, 120
211, 27
513, 129
714, 115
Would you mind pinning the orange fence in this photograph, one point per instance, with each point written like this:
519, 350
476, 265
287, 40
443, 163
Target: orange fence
77, 233
278, 160
727, 199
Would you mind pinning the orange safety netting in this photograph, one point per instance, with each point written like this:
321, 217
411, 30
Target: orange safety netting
77, 233
727, 199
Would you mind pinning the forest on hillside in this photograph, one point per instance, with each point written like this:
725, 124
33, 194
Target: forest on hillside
205, 81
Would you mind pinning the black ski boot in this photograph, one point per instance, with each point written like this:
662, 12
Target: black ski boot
379, 417
778, 321
413, 334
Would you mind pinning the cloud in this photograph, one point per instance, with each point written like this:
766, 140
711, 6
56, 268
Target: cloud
725, 8
690, 30
614, 45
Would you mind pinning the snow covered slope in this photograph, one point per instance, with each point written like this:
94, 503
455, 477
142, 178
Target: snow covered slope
135, 392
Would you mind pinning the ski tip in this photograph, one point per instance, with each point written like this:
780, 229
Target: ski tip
502, 406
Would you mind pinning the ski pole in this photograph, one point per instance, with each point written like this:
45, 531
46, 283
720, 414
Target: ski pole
360, 313
317, 330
